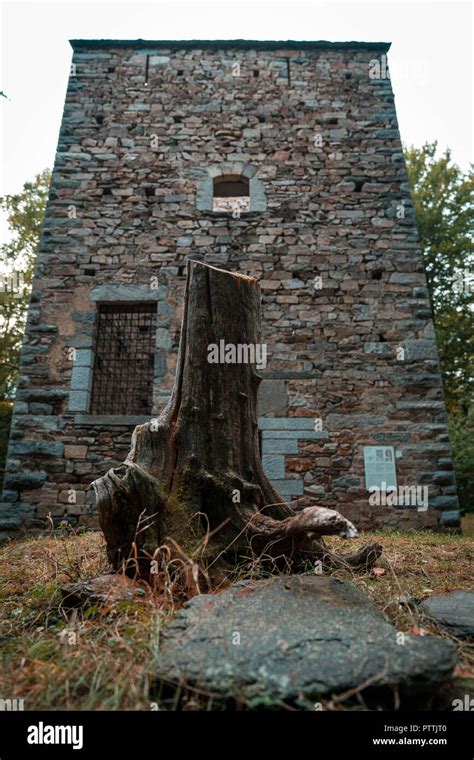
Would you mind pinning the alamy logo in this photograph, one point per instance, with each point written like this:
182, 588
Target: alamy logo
378, 68
464, 282
42, 734
240, 353
13, 283
12, 705
466, 704
403, 496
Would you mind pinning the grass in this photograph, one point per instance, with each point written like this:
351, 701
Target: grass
468, 525
105, 658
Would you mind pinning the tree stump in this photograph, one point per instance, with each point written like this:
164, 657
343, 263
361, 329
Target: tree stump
194, 475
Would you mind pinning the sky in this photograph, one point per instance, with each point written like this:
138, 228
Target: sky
430, 60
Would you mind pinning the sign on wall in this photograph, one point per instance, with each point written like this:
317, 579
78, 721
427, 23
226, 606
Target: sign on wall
379, 463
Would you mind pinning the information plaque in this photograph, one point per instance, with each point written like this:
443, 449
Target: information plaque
380, 470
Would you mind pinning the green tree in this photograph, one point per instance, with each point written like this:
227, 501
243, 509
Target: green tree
461, 432
442, 199
25, 213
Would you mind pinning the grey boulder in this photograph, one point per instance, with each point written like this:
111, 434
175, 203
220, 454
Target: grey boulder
291, 637
453, 611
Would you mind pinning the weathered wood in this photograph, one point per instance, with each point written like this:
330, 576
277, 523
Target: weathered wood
194, 475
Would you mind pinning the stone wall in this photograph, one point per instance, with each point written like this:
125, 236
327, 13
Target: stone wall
330, 237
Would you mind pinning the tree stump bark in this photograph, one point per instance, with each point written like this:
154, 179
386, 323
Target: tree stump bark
194, 475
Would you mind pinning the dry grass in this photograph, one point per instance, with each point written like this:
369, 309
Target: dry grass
104, 667
468, 525
105, 659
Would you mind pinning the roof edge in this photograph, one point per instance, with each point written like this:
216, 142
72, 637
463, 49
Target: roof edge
227, 44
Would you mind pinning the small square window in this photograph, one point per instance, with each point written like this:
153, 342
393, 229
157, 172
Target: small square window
231, 193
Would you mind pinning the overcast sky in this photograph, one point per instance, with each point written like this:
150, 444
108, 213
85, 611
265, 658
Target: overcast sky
430, 59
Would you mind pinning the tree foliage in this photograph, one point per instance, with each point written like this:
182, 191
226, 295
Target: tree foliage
24, 212
443, 201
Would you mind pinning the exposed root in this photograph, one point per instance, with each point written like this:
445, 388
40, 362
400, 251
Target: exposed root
315, 521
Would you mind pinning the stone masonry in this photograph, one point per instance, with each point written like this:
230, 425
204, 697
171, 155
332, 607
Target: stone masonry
329, 233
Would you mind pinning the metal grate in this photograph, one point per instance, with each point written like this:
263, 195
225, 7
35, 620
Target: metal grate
124, 359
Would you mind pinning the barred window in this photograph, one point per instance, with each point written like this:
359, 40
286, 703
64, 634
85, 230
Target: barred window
124, 359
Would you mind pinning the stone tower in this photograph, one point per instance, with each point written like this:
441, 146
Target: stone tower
281, 160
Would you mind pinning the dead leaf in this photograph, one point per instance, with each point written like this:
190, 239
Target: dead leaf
462, 672
418, 631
